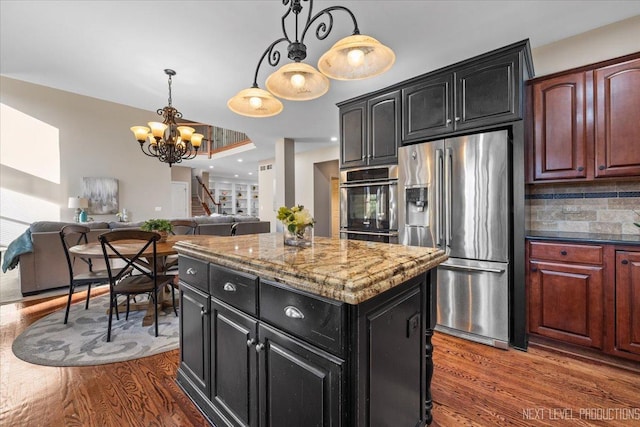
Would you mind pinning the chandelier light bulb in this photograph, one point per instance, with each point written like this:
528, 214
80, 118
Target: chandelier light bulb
255, 102
298, 80
355, 57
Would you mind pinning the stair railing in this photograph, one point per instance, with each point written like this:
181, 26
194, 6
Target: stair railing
205, 205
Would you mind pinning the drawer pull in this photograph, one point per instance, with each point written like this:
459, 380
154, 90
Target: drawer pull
293, 312
204, 311
625, 262
192, 271
259, 347
580, 168
534, 269
229, 287
563, 252
250, 342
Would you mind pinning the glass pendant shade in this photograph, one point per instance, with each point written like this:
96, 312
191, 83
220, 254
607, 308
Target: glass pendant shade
255, 102
297, 81
356, 57
140, 132
186, 132
157, 129
196, 139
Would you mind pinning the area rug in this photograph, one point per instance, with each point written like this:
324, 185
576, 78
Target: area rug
83, 340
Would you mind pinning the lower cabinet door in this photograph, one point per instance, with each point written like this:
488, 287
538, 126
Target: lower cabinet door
299, 384
194, 337
233, 365
566, 302
628, 302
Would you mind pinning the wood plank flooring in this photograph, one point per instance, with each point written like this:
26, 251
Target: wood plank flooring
474, 385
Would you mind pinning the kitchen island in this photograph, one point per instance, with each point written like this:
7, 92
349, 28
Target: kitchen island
336, 334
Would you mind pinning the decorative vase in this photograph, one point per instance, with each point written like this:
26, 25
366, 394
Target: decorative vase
301, 238
163, 236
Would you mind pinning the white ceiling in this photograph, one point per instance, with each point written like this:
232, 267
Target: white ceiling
117, 51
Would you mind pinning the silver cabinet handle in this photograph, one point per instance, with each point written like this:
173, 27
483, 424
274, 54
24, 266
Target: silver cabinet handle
448, 121
259, 347
203, 311
229, 287
250, 342
293, 312
192, 271
457, 119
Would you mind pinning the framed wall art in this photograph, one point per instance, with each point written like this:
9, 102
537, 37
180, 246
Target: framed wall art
102, 194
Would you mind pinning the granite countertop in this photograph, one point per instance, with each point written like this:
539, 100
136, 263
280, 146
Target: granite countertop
350, 271
621, 239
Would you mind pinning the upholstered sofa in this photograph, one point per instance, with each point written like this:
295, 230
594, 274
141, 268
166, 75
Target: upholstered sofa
45, 266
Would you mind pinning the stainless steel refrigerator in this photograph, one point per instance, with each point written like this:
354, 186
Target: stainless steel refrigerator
454, 194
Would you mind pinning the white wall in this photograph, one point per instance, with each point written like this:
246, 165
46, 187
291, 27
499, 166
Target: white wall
94, 141
617, 39
304, 183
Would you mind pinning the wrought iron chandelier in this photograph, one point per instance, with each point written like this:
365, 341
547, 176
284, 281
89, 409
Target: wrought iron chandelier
354, 57
167, 141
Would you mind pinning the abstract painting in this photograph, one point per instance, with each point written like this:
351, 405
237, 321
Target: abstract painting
102, 194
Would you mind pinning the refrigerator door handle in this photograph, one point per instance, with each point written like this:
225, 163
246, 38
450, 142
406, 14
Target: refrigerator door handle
448, 196
438, 198
470, 268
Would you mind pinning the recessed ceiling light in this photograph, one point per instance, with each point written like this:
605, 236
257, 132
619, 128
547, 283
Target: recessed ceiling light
236, 175
250, 173
333, 138
240, 160
211, 167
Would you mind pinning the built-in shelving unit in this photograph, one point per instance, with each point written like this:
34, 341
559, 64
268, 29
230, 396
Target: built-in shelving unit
235, 197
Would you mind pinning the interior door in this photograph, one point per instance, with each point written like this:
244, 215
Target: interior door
179, 200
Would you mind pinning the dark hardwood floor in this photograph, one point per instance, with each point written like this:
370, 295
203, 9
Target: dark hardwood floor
473, 385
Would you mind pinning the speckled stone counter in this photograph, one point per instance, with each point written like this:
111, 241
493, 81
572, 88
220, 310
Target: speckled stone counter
350, 271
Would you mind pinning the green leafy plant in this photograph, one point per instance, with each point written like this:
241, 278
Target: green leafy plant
157, 225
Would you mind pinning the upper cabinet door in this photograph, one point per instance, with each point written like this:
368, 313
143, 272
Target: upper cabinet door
384, 128
428, 108
560, 123
617, 120
488, 92
353, 132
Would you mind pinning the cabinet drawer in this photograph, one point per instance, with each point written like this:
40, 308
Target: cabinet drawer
194, 272
311, 318
564, 252
234, 288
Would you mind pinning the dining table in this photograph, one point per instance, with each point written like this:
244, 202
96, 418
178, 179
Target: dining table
131, 248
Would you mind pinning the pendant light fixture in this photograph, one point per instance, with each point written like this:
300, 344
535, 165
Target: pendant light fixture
167, 141
354, 57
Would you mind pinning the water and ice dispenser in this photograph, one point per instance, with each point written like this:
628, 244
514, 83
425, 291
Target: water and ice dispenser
416, 206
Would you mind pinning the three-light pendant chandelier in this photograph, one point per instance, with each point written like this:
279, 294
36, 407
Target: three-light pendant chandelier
355, 57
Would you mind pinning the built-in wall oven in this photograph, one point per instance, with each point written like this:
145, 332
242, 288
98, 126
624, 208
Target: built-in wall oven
369, 204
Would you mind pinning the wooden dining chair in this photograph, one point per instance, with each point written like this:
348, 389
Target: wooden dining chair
143, 281
72, 235
184, 227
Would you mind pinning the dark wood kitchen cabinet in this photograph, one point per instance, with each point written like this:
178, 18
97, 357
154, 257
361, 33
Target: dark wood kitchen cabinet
370, 131
566, 298
480, 93
627, 287
585, 123
560, 143
259, 353
585, 295
617, 119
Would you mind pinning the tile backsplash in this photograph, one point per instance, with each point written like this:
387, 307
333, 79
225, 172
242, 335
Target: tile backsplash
600, 207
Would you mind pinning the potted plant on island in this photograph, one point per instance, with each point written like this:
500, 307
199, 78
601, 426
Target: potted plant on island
298, 225
161, 226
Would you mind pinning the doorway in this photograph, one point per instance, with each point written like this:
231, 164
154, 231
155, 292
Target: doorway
179, 200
